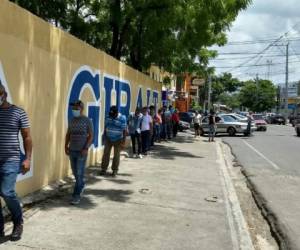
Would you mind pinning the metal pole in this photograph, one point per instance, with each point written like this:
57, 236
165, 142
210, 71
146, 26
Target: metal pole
286, 83
209, 92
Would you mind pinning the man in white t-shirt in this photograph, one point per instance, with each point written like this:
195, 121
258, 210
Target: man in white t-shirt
146, 128
197, 123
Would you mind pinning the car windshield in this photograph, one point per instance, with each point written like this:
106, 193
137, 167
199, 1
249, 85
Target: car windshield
240, 116
258, 117
228, 118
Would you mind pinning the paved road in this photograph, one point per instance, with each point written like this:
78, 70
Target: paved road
272, 163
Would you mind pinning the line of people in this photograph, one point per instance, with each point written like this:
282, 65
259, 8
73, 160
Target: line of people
144, 126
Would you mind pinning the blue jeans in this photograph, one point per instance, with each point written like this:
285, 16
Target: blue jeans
9, 171
78, 167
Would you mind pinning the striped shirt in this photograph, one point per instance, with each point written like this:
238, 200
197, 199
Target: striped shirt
114, 128
12, 120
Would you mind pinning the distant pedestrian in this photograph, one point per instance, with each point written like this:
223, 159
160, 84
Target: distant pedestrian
175, 122
153, 135
167, 123
197, 123
115, 137
134, 128
146, 129
158, 125
79, 137
12, 121
212, 126
249, 124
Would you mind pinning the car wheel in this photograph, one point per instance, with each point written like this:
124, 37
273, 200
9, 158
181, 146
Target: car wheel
231, 131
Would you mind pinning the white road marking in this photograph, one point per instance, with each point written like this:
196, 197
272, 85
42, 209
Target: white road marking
262, 156
240, 235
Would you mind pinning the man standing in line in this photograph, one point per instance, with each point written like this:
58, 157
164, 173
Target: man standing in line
79, 137
115, 136
153, 134
134, 128
12, 120
146, 128
175, 122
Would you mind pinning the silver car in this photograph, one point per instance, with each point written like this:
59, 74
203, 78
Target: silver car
225, 124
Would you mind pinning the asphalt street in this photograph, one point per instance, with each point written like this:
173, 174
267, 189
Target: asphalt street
271, 161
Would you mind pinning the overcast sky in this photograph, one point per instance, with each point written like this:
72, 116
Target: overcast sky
263, 20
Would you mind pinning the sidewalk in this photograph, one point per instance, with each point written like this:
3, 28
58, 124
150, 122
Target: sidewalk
164, 201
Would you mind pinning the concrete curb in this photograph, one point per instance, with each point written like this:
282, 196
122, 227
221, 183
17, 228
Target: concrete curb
278, 229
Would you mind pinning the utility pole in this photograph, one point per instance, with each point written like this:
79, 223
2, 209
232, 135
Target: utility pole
209, 92
286, 82
269, 62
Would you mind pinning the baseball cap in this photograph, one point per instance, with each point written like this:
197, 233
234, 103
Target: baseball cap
77, 103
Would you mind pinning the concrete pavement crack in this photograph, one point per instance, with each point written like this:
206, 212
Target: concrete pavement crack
167, 207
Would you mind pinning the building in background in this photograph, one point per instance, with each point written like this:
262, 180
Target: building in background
293, 95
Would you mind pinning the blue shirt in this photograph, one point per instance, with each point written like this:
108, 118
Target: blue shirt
12, 120
114, 128
134, 123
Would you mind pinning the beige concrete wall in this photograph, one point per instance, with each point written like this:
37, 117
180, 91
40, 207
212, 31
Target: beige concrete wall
38, 64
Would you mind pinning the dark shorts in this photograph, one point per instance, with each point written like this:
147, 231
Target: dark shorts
196, 126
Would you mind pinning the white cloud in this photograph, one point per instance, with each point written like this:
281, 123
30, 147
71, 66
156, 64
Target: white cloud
264, 19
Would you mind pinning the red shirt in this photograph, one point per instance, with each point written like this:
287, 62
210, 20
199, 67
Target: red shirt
175, 117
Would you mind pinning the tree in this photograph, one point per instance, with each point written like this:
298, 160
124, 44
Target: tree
224, 86
173, 34
258, 95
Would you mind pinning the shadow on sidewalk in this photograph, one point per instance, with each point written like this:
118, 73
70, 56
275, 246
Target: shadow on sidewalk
167, 152
117, 195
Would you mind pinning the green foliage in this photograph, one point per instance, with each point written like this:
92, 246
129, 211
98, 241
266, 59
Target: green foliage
223, 87
173, 34
230, 100
258, 96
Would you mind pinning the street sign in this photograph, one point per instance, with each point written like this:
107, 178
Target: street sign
198, 82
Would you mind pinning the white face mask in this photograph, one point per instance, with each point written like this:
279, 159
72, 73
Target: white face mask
76, 113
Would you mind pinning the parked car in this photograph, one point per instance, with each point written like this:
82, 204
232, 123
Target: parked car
260, 123
243, 119
183, 126
269, 117
297, 127
186, 117
225, 124
278, 119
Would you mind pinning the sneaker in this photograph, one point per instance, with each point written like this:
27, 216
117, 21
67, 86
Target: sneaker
102, 172
134, 156
114, 173
75, 201
140, 156
82, 191
17, 232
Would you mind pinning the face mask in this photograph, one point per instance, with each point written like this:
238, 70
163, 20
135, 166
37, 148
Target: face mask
76, 113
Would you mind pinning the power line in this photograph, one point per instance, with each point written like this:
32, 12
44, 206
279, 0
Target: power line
266, 48
246, 57
255, 65
258, 41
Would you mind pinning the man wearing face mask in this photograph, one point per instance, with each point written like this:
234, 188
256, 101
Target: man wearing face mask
115, 136
79, 137
12, 121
